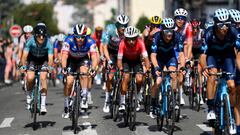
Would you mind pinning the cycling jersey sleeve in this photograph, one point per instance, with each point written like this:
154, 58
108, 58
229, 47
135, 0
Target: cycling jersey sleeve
50, 47
205, 39
22, 42
55, 44
143, 49
155, 42
180, 43
189, 32
120, 49
28, 45
65, 48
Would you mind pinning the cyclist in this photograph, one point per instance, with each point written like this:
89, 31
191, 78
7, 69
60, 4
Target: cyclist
150, 30
27, 29
185, 28
58, 44
163, 54
197, 34
97, 35
218, 53
235, 19
75, 52
111, 40
131, 49
38, 51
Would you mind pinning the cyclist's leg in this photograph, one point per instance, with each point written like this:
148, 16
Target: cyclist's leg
30, 81
211, 87
229, 66
125, 83
139, 81
172, 66
43, 78
237, 108
84, 67
109, 86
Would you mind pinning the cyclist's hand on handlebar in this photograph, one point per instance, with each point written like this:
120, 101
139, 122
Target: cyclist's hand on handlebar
205, 72
183, 70
157, 71
64, 71
92, 72
110, 64
23, 68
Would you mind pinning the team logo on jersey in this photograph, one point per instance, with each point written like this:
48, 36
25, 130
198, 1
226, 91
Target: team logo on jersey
238, 35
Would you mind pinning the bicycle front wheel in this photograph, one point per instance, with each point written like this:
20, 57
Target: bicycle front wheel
133, 105
35, 108
75, 111
115, 101
171, 103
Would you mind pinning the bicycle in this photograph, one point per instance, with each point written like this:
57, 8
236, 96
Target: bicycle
224, 123
115, 96
131, 100
166, 108
35, 104
147, 94
74, 102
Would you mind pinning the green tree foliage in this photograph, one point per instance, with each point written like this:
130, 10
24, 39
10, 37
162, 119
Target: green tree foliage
7, 6
35, 13
143, 20
112, 19
72, 2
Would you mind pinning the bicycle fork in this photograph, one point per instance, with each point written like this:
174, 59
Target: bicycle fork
232, 128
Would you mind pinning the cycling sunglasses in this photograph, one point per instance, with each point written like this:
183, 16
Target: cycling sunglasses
168, 31
180, 18
123, 26
235, 25
131, 39
40, 35
155, 25
80, 36
221, 25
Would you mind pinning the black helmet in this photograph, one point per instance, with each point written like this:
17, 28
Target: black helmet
40, 30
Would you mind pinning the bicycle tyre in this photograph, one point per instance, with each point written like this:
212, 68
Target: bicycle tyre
76, 110
35, 107
171, 111
147, 96
133, 103
226, 117
197, 86
177, 102
116, 101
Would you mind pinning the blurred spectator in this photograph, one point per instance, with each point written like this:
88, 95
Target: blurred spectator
2, 60
8, 56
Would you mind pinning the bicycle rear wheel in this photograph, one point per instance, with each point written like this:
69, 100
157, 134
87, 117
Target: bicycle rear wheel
133, 105
147, 96
75, 111
226, 130
35, 108
115, 101
171, 103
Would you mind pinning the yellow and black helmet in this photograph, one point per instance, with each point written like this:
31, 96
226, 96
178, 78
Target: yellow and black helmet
156, 20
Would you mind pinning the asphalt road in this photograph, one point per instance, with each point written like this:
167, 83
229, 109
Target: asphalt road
15, 120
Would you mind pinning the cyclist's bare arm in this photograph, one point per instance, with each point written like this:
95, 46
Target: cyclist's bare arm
106, 53
203, 62
154, 59
181, 59
64, 59
24, 58
50, 59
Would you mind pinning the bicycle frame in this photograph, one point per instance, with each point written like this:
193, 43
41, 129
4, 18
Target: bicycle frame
222, 90
164, 87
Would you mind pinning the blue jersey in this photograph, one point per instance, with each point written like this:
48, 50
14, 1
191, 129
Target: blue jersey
111, 39
216, 47
57, 45
73, 50
160, 47
35, 50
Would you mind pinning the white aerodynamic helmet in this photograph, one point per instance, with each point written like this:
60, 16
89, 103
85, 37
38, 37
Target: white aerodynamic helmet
131, 32
235, 15
27, 28
221, 15
180, 12
168, 23
122, 19
61, 37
